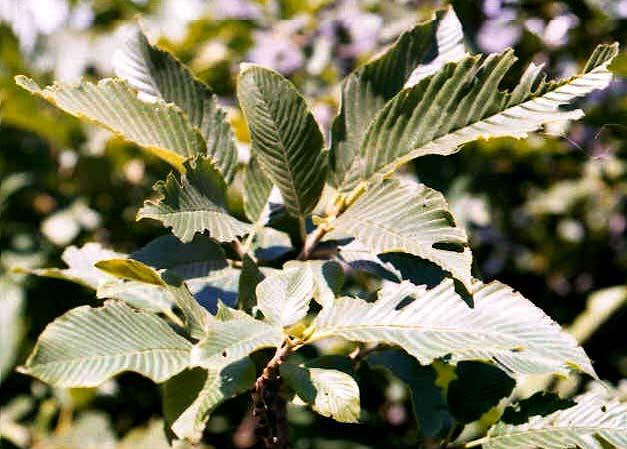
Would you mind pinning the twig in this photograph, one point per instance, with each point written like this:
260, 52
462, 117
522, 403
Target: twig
312, 241
269, 405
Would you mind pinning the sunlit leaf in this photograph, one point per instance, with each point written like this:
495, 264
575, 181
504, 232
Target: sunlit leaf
156, 74
502, 327
162, 128
87, 346
194, 202
405, 217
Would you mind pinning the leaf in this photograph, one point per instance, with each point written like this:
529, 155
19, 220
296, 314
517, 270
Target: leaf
194, 202
148, 297
406, 217
11, 325
285, 137
427, 399
250, 277
82, 270
188, 402
327, 276
232, 340
584, 426
477, 388
162, 128
197, 319
156, 74
201, 263
189, 260
87, 346
416, 54
503, 327
130, 269
284, 297
462, 102
330, 392
257, 189
271, 244
81, 265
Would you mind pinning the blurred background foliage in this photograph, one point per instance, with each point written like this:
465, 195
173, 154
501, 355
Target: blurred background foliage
546, 215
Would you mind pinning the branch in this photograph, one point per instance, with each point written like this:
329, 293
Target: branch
311, 242
269, 405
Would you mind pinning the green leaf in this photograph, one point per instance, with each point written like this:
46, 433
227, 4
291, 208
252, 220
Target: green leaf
327, 276
82, 269
197, 319
590, 424
130, 269
194, 202
87, 346
330, 392
462, 102
250, 277
257, 189
81, 265
11, 306
477, 388
271, 244
231, 340
152, 298
162, 128
427, 399
285, 137
191, 397
201, 263
503, 327
189, 260
405, 217
284, 297
156, 74
416, 54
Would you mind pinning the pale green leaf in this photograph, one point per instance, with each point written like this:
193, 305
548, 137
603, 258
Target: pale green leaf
271, 244
11, 307
148, 297
201, 263
285, 137
81, 265
330, 392
87, 346
81, 268
404, 217
284, 297
417, 53
327, 276
197, 319
156, 74
231, 340
162, 128
462, 102
502, 327
194, 202
587, 425
188, 413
